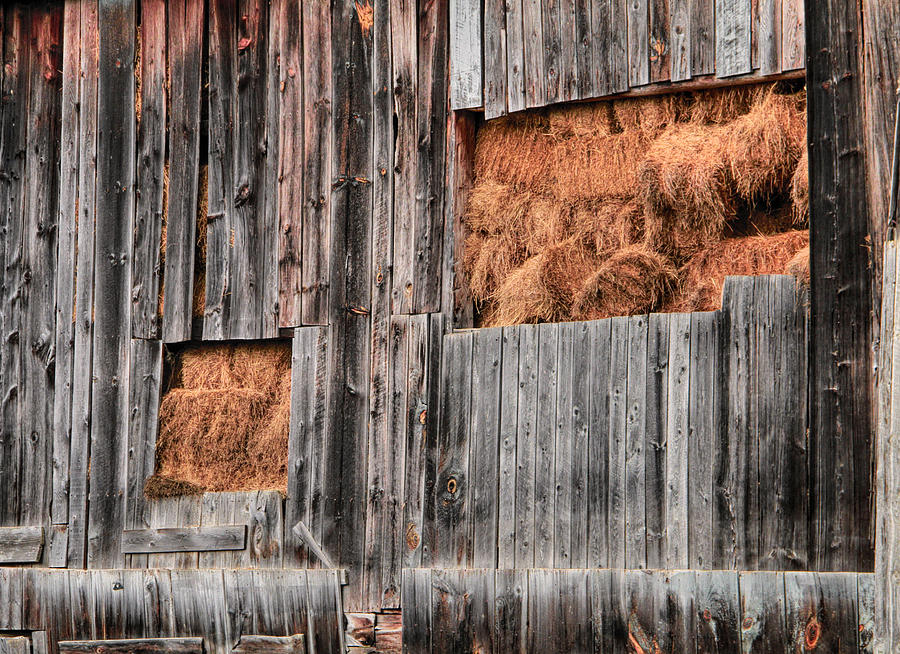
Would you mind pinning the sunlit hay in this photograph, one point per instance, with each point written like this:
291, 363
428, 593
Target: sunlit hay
199, 300
701, 278
683, 181
598, 167
649, 116
633, 280
224, 424
763, 146
580, 121
158, 486
494, 208
717, 106
543, 288
488, 260
608, 226
800, 192
514, 151
798, 266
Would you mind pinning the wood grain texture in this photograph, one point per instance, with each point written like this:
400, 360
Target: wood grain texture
466, 79
494, 58
733, 27
134, 646
638, 42
21, 544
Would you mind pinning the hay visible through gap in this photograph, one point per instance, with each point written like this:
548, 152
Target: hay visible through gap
223, 425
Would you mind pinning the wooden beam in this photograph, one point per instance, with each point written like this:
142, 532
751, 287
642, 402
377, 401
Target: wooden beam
302, 532
134, 646
21, 544
295, 644
187, 539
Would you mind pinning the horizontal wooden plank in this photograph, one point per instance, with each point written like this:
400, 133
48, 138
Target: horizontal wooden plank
185, 539
21, 544
271, 645
133, 646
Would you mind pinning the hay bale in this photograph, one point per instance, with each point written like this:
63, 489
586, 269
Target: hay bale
608, 226
800, 192
515, 151
580, 121
649, 116
600, 167
701, 279
543, 288
723, 105
488, 260
763, 146
224, 424
633, 280
798, 266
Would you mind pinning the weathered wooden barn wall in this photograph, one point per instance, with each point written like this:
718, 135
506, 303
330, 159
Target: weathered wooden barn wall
637, 611
509, 56
667, 441
219, 606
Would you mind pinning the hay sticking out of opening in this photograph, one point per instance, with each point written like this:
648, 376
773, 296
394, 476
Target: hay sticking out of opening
798, 266
223, 426
703, 276
800, 192
634, 280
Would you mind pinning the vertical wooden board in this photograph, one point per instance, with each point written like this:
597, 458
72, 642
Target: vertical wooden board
305, 436
678, 453
580, 429
185, 30
655, 443
793, 35
495, 58
769, 37
545, 445
533, 34
416, 610
559, 611
15, 88
146, 266
288, 25
109, 609
544, 620
568, 74
680, 25
39, 259
526, 438
865, 600
146, 378
67, 227
317, 158
453, 514
584, 73
638, 42
733, 26
295, 594
395, 460
466, 77
433, 417
182, 511
222, 37
507, 468
269, 615
199, 607
617, 389
511, 611
718, 608
563, 449
11, 598
762, 612
515, 56
81, 600
681, 590
462, 610
112, 281
703, 37
431, 119
599, 497
419, 438
821, 611
661, 40
483, 451
703, 422
601, 31
635, 455
405, 93
605, 589
645, 610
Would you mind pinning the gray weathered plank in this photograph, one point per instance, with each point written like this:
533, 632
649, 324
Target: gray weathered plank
733, 23
655, 444
526, 438
793, 35
416, 594
635, 455
763, 627
515, 56
532, 31
769, 36
11, 586
172, 512
465, 54
617, 380
249, 644
199, 539
563, 451
545, 432
495, 58
21, 544
678, 453
600, 447
506, 489
703, 37
638, 42
681, 30
135, 646
580, 429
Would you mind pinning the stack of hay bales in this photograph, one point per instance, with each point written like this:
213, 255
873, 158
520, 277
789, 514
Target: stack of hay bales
223, 425
624, 207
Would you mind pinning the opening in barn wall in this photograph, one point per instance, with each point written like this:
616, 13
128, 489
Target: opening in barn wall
230, 174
